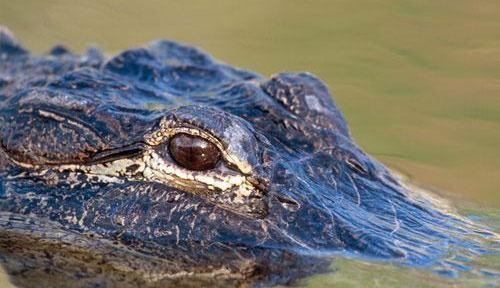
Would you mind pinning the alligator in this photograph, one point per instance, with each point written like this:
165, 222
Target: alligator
162, 166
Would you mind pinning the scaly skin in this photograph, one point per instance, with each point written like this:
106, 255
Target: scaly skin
90, 193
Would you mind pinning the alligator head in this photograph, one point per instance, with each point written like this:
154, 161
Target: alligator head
163, 155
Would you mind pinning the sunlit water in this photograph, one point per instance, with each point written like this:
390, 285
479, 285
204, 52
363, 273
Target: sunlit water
418, 82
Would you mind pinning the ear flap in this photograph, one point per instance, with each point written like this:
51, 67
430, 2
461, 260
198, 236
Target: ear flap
308, 98
9, 44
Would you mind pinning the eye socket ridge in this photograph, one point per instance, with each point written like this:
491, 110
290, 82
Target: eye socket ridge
169, 129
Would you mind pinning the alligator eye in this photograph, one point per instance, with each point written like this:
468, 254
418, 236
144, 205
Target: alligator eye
193, 152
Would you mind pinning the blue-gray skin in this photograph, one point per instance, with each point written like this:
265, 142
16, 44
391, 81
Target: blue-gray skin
313, 192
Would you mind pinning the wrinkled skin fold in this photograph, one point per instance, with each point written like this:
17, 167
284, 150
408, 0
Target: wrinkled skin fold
86, 170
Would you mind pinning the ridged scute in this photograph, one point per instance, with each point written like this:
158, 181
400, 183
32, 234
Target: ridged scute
9, 46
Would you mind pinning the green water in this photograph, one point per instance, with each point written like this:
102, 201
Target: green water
418, 81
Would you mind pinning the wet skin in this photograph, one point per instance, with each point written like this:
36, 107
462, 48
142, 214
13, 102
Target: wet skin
162, 164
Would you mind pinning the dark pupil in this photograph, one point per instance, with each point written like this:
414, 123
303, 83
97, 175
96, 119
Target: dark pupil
193, 152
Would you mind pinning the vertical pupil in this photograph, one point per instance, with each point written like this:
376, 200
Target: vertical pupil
193, 152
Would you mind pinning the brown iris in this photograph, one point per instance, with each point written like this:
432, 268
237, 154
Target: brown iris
193, 152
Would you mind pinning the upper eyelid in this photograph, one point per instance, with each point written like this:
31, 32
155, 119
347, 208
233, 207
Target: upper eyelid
163, 134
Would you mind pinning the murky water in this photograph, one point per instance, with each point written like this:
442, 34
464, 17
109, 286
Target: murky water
418, 82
